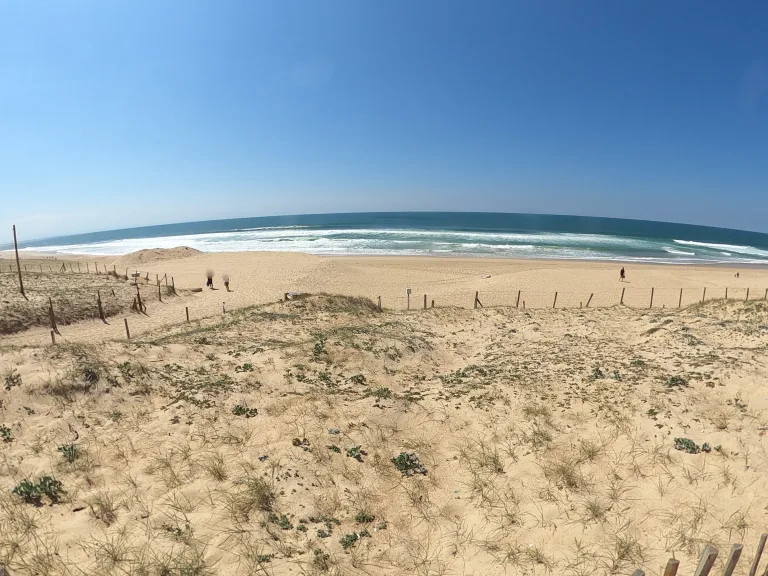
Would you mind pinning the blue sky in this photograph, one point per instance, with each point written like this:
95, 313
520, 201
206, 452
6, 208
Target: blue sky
117, 114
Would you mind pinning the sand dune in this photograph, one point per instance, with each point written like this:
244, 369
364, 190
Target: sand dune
263, 442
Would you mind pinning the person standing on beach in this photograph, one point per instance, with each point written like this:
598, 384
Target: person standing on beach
209, 283
622, 275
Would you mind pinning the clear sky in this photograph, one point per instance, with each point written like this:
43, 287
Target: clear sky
117, 114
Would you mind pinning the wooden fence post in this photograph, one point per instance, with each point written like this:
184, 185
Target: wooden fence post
476, 293
704, 295
425, 301
78, 267
758, 554
590, 299
53, 337
733, 559
766, 294
708, 558
173, 286
726, 292
186, 308
87, 268
127, 332
672, 566
651, 306
680, 300
18, 267
97, 267
138, 296
52, 316
747, 297
433, 303
223, 309
517, 304
379, 303
622, 296
555, 302
477, 299
101, 309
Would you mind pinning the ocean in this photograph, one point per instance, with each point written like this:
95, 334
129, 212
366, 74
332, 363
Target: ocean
437, 234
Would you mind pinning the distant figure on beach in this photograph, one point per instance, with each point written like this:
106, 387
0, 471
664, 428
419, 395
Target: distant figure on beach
209, 284
226, 282
737, 274
622, 275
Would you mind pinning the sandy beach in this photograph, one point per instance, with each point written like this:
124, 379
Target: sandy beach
262, 277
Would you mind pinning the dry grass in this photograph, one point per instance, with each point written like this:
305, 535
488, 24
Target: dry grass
536, 463
74, 298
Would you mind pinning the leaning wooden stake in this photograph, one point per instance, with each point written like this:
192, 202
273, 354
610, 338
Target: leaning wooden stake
589, 300
52, 316
517, 304
704, 296
651, 305
173, 286
101, 309
138, 297
726, 293
680, 300
53, 337
671, 569
708, 558
477, 300
758, 554
186, 308
18, 267
747, 298
766, 294
733, 559
379, 303
127, 332
622, 296
223, 309
159, 295
425, 301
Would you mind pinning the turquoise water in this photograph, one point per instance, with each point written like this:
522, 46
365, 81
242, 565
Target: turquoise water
437, 234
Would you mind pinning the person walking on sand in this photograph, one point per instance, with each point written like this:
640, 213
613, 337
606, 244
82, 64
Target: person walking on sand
622, 275
209, 283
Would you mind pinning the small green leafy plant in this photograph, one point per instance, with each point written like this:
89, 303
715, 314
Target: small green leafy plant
334, 448
283, 521
408, 463
364, 517
357, 453
6, 434
687, 445
381, 393
32, 493
676, 382
12, 378
240, 410
349, 540
70, 452
247, 367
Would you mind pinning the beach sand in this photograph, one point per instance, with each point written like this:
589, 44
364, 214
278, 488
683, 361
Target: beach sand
261, 441
262, 277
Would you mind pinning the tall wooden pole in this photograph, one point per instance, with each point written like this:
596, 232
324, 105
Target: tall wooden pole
18, 267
